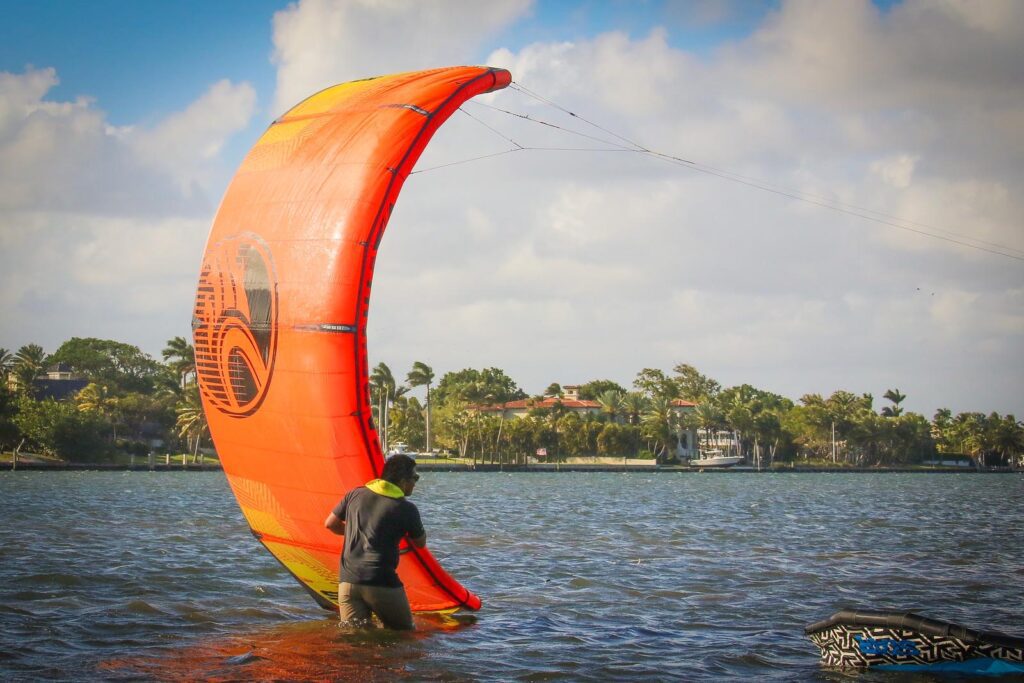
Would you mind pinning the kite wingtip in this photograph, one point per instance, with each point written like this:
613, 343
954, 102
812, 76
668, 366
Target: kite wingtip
502, 78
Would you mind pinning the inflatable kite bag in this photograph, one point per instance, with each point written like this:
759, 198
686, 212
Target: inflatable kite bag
905, 641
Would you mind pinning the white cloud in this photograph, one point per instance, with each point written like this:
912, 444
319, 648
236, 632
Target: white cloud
602, 265
896, 171
186, 144
567, 266
319, 43
101, 228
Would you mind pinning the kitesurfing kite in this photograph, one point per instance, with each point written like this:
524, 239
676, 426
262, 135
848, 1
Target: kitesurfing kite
281, 312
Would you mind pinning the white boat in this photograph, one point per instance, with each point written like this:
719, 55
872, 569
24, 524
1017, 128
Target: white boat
716, 459
403, 449
400, 449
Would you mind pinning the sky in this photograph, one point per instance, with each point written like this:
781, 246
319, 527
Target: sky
838, 204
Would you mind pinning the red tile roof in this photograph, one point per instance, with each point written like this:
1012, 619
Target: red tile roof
683, 404
582, 404
529, 403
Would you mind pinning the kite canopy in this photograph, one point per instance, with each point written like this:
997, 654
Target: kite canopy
281, 311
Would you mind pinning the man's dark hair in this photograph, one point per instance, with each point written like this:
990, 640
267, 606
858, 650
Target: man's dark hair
398, 468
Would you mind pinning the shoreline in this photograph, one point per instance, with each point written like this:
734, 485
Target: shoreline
526, 469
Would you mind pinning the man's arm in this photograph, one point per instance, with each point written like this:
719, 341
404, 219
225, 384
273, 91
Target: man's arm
336, 524
420, 541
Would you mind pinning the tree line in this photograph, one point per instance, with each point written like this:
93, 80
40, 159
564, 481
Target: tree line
130, 402
844, 428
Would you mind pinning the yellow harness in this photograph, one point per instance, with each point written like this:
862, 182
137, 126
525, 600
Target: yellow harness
384, 487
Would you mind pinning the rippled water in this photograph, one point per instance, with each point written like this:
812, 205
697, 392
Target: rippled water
583, 576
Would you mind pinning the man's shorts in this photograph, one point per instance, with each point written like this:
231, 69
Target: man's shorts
357, 602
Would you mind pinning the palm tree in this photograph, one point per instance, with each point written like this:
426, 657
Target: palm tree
942, 424
28, 363
6, 364
966, 432
710, 419
634, 404
96, 398
1007, 437
896, 397
382, 385
659, 424
422, 375
611, 404
181, 356
191, 422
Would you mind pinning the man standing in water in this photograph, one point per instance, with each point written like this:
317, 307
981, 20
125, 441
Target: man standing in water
374, 519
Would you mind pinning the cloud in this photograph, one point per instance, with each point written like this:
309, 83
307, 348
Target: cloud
186, 144
570, 265
101, 228
598, 265
318, 43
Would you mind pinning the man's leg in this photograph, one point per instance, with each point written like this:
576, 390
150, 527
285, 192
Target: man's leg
391, 606
351, 606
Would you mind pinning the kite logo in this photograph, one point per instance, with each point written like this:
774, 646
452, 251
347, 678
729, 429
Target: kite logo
235, 324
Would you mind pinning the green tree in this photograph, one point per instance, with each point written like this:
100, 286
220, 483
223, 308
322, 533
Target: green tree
147, 416
521, 439
610, 401
59, 428
464, 384
693, 386
382, 391
406, 422
660, 426
1006, 436
615, 440
29, 362
655, 384
121, 367
942, 423
709, 420
554, 390
180, 355
191, 421
96, 398
9, 432
897, 398
6, 365
595, 388
966, 433
633, 406
574, 436
422, 375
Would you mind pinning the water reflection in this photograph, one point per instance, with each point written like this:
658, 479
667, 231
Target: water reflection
306, 650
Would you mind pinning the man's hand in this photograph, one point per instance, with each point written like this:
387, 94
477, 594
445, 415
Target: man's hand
335, 524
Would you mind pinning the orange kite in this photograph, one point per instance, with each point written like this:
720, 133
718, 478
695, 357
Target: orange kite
281, 310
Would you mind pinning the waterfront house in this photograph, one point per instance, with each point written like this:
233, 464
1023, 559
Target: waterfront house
571, 402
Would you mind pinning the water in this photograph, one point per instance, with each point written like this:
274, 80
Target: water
596, 577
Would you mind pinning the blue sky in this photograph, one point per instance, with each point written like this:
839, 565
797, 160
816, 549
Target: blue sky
911, 109
138, 60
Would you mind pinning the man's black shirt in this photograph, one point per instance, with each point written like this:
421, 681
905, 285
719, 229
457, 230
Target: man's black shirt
374, 525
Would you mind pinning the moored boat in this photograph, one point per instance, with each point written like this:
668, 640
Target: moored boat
904, 641
715, 459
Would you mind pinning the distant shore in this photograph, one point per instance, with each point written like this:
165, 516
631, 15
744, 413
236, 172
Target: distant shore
531, 468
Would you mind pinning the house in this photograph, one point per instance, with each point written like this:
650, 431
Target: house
57, 383
571, 402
